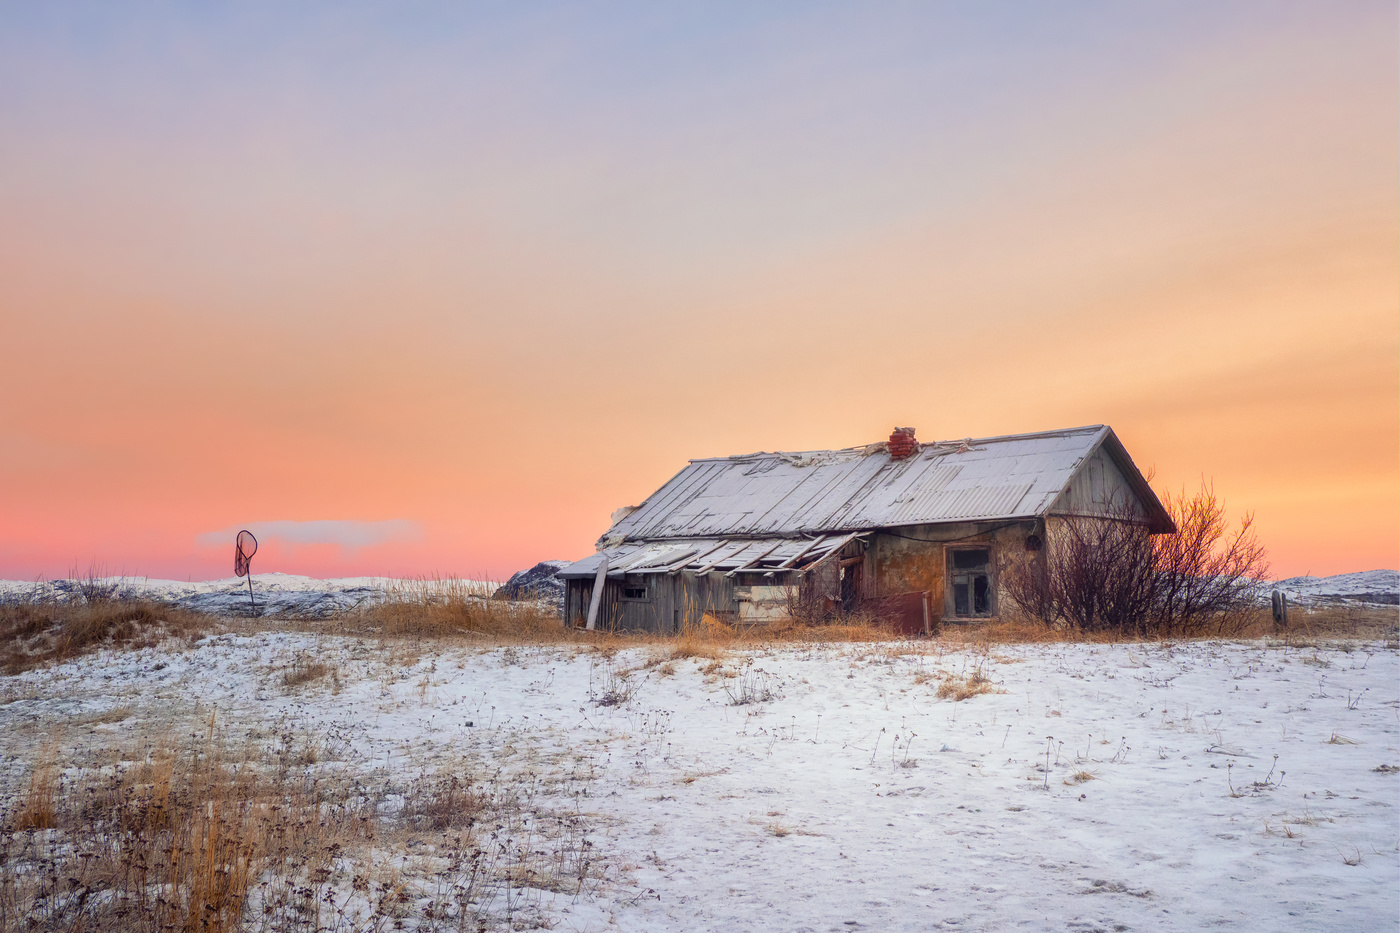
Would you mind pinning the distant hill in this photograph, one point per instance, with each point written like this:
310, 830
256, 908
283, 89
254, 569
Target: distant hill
277, 594
539, 582
1368, 587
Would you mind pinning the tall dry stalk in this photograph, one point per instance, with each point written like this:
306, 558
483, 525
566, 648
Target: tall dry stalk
36, 810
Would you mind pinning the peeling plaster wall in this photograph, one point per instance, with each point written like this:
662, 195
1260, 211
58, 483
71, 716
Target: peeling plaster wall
914, 558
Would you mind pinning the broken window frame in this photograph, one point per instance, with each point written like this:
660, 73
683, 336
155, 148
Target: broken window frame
634, 586
982, 571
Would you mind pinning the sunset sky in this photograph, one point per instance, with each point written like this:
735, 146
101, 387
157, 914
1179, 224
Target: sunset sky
425, 288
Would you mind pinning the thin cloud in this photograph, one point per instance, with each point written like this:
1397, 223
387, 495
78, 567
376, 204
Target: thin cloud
350, 535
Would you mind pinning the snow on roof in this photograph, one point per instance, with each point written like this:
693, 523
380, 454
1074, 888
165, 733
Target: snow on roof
829, 491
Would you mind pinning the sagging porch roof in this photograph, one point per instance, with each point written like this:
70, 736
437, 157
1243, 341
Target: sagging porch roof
711, 555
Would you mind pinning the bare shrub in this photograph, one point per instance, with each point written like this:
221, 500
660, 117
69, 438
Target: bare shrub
753, 685
1208, 577
811, 615
440, 803
609, 685
806, 606
1111, 574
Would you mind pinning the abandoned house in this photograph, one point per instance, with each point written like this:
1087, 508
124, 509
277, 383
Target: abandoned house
914, 532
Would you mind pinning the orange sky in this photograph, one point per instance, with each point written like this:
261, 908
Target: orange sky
478, 280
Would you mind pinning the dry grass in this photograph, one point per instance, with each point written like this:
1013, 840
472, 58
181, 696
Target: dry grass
36, 809
436, 609
304, 670
211, 838
37, 632
958, 688
173, 843
703, 641
1330, 622
114, 715
1305, 626
432, 609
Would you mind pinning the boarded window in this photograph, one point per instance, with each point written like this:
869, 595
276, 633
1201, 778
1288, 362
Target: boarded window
634, 589
970, 574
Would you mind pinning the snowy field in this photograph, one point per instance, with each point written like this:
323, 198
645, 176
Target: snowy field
1247, 786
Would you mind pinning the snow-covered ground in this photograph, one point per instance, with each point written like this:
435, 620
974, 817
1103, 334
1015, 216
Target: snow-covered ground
1191, 786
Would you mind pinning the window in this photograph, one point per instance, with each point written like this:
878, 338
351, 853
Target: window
634, 589
970, 575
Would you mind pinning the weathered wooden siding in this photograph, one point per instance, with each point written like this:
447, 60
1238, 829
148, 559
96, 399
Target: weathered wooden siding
672, 601
888, 563
1098, 488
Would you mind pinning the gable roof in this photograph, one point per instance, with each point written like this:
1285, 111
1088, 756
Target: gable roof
823, 492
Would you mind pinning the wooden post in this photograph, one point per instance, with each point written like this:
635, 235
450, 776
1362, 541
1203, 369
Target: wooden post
1280, 607
596, 601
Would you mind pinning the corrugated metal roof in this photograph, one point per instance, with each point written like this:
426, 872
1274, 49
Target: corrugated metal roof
712, 555
830, 491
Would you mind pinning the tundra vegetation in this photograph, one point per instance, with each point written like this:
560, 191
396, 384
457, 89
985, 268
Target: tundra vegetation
135, 814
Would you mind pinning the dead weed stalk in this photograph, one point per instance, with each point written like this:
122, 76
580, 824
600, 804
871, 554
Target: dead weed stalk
212, 839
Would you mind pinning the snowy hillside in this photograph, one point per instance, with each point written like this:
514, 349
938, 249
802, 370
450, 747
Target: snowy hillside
276, 594
1375, 587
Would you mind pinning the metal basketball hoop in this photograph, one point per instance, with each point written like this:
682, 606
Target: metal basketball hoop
244, 547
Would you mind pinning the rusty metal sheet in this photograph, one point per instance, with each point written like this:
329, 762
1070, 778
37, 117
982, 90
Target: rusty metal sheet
905, 613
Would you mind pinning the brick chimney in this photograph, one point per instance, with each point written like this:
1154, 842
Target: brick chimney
902, 444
